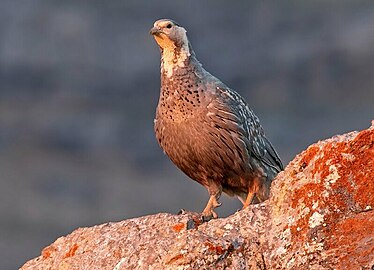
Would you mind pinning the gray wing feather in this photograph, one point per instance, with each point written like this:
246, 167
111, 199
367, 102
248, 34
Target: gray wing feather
238, 111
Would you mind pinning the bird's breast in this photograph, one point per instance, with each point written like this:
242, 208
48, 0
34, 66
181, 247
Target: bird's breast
181, 141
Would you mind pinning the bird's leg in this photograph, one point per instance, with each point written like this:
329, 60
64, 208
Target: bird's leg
249, 199
252, 190
209, 208
209, 213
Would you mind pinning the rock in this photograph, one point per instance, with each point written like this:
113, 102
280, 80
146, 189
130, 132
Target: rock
320, 216
321, 207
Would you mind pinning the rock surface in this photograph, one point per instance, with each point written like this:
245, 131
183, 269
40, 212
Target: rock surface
320, 216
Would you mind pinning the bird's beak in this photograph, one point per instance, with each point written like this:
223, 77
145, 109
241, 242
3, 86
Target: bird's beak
155, 31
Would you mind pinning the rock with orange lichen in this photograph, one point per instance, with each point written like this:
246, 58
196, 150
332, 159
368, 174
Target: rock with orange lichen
159, 241
321, 207
320, 216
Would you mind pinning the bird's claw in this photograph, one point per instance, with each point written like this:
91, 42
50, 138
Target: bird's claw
208, 214
218, 204
205, 218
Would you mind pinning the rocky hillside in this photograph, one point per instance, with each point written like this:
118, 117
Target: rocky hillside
320, 216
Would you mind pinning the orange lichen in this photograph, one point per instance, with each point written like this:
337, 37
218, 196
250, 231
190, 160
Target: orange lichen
348, 236
47, 252
346, 173
213, 248
362, 168
71, 251
308, 155
179, 227
353, 229
302, 194
174, 259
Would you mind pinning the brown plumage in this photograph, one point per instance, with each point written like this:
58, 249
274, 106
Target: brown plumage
207, 129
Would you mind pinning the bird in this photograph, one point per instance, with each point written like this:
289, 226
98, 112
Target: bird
207, 129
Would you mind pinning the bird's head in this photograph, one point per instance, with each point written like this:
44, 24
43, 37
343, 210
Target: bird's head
169, 35
174, 45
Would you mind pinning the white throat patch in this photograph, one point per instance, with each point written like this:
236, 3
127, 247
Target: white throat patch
170, 61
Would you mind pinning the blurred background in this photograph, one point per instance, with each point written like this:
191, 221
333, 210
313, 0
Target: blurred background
79, 84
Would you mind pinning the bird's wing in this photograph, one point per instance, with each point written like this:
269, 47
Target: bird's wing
233, 106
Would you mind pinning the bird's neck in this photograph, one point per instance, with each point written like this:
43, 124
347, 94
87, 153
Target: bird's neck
173, 58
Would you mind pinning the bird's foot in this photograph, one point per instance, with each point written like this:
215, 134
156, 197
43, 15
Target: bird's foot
209, 212
198, 219
206, 218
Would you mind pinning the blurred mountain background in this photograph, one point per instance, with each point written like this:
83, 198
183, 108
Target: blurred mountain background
79, 84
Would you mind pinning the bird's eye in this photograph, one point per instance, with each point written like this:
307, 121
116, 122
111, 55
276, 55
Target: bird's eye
169, 25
